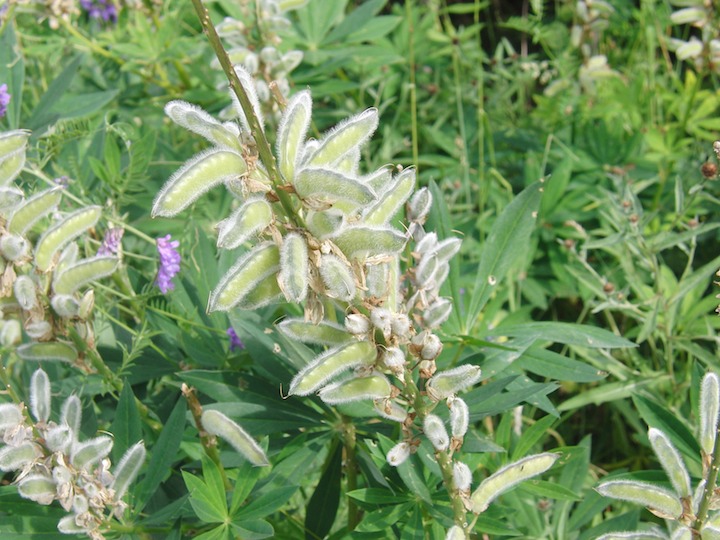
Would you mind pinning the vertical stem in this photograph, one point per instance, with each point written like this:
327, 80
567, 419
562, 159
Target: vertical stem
413, 87
349, 441
710, 484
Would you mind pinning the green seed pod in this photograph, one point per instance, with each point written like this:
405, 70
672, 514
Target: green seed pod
689, 15
323, 333
644, 493
456, 533
197, 176
195, 119
68, 257
462, 476
294, 268
382, 211
33, 209
83, 272
447, 383
250, 219
216, 423
248, 84
257, 264
48, 351
342, 139
361, 242
13, 247
685, 533
10, 199
437, 313
709, 410
38, 488
65, 305
398, 454
379, 180
425, 271
68, 525
708, 532
25, 292
128, 468
377, 277
71, 413
62, 233
292, 131
59, 438
651, 534
390, 410
10, 416
375, 386
338, 278
266, 292
419, 206
10, 333
427, 244
11, 165
689, 49
447, 249
86, 454
12, 141
331, 186
508, 477
330, 364
38, 329
350, 163
323, 224
435, 431
671, 461
40, 396
13, 458
86, 305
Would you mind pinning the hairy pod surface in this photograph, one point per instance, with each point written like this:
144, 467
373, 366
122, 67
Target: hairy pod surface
392, 200
292, 131
248, 220
330, 364
459, 417
71, 413
86, 454
449, 382
343, 138
49, 351
59, 235
643, 493
40, 396
419, 205
216, 423
435, 431
38, 488
13, 458
374, 386
294, 268
34, 209
331, 186
337, 277
199, 175
25, 292
11, 165
360, 242
83, 272
323, 333
195, 119
462, 476
390, 410
509, 476
10, 416
671, 461
128, 468
709, 411
10, 198
398, 454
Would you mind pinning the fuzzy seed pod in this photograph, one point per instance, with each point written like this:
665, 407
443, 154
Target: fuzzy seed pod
447, 249
437, 313
374, 386
338, 278
381, 319
462, 476
13, 458
427, 244
40, 396
435, 431
59, 438
13, 247
398, 454
248, 220
50, 351
449, 382
459, 418
294, 264
10, 416
38, 329
419, 205
671, 461
425, 271
323, 333
128, 468
394, 359
65, 305
644, 493
390, 410
86, 305
357, 324
432, 347
376, 279
456, 533
25, 292
62, 233
709, 410
33, 209
38, 488
82, 272
86, 454
400, 326
71, 413
216, 423
10, 333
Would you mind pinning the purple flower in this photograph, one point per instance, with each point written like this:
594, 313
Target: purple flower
169, 263
111, 243
4, 99
235, 341
62, 181
100, 9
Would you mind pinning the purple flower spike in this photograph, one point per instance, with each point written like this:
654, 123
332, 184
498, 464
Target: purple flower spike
100, 9
235, 341
4, 99
169, 263
111, 243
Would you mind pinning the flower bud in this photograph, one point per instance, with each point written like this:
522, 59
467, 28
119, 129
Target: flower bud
381, 319
436, 432
90, 452
462, 476
38, 488
65, 305
13, 247
40, 396
400, 325
446, 383
357, 324
25, 292
38, 329
437, 313
459, 417
13, 458
398, 454
10, 333
419, 205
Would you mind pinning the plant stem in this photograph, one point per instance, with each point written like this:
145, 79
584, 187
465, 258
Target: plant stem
349, 441
413, 87
709, 491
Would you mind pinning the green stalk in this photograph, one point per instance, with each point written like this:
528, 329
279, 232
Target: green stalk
709, 491
349, 441
413, 86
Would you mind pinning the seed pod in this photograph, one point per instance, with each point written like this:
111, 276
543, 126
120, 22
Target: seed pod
400, 325
376, 279
447, 249
59, 438
68, 257
643, 493
128, 468
390, 410
292, 131
294, 264
419, 206
38, 488
248, 84
378, 180
343, 138
10, 166
435, 431
40, 396
357, 324
216, 423
198, 121
83, 272
456, 533
323, 224
33, 209
337, 277
86, 454
375, 386
330, 364
71, 413
383, 210
86, 305
381, 318
685, 533
447, 383
62, 233
398, 454
459, 418
49, 351
432, 347
671, 461
437, 313
257, 264
10, 416
12, 141
360, 242
425, 271
331, 186
709, 407
462, 476
323, 333
688, 15
251, 218
427, 244
10, 333
10, 198
267, 291
508, 477
25, 292
65, 305
38, 329
197, 176
393, 358
13, 247
67, 525
13, 458
690, 49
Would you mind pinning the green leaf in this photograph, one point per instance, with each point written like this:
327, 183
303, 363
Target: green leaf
507, 243
567, 333
383, 519
410, 472
531, 436
355, 20
126, 426
609, 392
221, 532
267, 502
164, 453
377, 496
209, 507
76, 106
554, 187
44, 114
413, 527
252, 529
555, 366
322, 508
247, 477
549, 490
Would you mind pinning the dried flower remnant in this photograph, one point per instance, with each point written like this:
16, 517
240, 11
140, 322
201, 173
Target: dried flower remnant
235, 341
4, 99
169, 263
